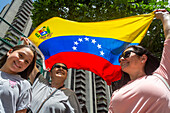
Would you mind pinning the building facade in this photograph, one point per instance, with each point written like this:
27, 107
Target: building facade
92, 91
18, 15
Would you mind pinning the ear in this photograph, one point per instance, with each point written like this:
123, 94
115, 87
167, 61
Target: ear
144, 58
9, 52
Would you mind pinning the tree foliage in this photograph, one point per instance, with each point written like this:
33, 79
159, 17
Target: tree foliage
101, 10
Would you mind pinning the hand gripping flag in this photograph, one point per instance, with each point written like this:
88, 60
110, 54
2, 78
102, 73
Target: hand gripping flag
92, 46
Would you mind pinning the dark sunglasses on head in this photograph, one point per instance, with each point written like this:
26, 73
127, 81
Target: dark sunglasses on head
58, 66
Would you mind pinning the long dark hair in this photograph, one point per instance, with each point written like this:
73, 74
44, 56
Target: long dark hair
151, 65
24, 74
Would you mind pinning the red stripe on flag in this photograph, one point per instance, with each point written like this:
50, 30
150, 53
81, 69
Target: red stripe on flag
86, 61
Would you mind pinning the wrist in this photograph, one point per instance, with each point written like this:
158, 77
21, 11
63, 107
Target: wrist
166, 17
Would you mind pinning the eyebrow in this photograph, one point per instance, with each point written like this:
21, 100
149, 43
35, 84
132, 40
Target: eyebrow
25, 55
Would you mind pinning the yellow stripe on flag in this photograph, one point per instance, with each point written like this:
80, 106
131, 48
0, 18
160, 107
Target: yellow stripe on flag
129, 29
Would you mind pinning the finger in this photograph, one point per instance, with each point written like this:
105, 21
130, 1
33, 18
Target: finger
161, 10
22, 38
26, 41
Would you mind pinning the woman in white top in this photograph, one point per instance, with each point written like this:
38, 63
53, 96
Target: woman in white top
15, 90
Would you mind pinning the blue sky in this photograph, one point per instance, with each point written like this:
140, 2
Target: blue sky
3, 3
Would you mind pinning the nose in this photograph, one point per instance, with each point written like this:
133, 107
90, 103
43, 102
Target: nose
61, 67
121, 59
21, 60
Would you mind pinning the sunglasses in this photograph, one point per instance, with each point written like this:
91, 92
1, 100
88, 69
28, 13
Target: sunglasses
58, 66
126, 54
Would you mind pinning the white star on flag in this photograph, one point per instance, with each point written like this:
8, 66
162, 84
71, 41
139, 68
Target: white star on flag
86, 39
76, 43
99, 46
80, 39
101, 53
93, 41
74, 48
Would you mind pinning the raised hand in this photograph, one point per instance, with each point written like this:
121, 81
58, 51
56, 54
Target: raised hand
161, 13
26, 41
165, 18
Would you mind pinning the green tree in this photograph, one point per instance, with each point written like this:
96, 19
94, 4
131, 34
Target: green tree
101, 10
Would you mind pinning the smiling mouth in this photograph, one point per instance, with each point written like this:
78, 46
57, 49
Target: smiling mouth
16, 65
60, 72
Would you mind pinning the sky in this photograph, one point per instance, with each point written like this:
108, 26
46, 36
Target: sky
3, 3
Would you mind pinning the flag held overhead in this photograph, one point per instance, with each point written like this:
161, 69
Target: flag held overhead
92, 46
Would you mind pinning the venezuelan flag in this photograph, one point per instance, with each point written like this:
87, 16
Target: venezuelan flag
93, 46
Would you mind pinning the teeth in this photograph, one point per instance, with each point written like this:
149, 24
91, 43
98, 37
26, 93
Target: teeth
59, 75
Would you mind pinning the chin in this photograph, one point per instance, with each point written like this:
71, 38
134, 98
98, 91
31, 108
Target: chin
125, 69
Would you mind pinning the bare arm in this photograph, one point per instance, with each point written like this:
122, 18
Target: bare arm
33, 74
165, 18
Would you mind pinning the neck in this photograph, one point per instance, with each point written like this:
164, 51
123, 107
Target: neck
6, 70
136, 75
56, 85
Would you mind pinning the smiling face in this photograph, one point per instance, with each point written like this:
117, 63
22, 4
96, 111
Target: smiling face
59, 71
131, 62
18, 60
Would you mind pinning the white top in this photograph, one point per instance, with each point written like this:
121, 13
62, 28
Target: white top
15, 93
